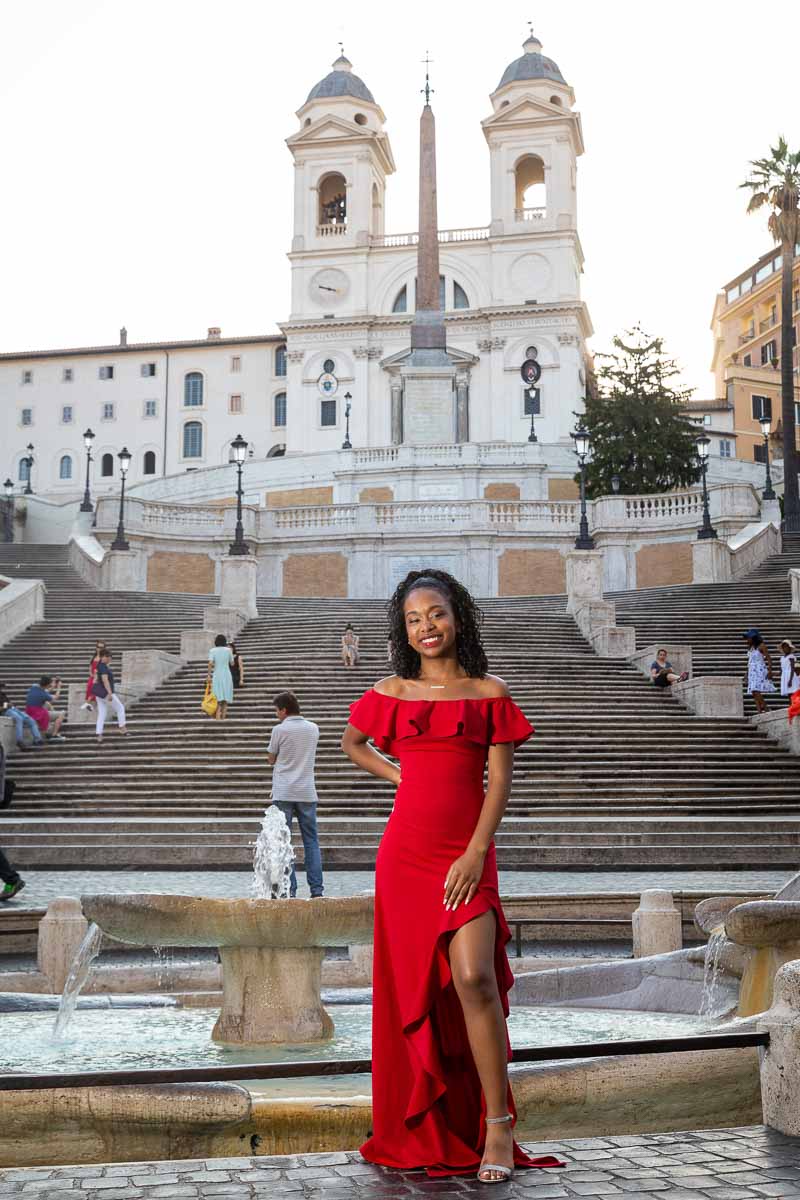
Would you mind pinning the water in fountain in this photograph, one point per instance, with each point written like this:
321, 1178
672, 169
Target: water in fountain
272, 863
78, 974
716, 943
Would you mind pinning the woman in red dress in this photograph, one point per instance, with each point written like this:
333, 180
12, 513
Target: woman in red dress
440, 1049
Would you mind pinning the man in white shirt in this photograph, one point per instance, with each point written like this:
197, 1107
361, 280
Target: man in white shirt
291, 752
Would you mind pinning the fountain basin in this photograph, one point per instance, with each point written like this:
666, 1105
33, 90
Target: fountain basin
764, 923
271, 953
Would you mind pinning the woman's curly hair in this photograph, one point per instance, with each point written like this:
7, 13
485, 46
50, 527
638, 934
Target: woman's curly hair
469, 619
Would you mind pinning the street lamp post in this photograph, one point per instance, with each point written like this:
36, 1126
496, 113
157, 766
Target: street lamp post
120, 542
86, 505
28, 491
9, 511
531, 399
347, 444
584, 541
615, 484
239, 546
706, 530
766, 428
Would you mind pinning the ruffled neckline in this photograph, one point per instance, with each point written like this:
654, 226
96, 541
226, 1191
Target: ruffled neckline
483, 720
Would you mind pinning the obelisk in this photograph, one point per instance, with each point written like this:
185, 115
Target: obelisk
428, 375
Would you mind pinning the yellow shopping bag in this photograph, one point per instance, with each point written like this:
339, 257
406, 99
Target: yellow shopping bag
209, 702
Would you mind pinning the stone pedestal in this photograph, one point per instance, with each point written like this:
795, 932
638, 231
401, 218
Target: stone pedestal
229, 621
61, 931
780, 1062
679, 656
8, 735
777, 726
124, 571
271, 995
711, 561
195, 644
584, 578
657, 925
237, 579
771, 511
77, 715
711, 695
145, 670
429, 404
794, 580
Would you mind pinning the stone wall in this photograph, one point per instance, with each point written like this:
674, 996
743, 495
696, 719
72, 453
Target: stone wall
562, 489
315, 575
531, 573
376, 495
501, 491
170, 571
664, 563
297, 497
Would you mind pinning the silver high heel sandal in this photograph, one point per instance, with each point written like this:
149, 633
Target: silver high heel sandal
505, 1173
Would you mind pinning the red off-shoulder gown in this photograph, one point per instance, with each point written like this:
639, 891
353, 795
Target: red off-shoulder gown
428, 1108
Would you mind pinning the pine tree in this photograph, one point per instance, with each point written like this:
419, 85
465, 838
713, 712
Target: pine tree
638, 424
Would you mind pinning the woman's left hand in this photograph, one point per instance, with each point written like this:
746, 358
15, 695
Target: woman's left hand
463, 879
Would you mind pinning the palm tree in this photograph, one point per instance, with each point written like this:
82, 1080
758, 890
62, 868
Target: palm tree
774, 183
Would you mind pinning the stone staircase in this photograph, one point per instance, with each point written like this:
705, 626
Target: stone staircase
712, 617
618, 775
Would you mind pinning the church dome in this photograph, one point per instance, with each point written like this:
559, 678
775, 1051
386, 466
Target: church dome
341, 82
532, 65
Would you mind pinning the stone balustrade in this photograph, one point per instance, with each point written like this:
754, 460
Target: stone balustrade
21, 605
718, 561
711, 695
473, 233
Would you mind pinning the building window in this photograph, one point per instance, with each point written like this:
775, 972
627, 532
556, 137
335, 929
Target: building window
24, 470
67, 375
460, 297
65, 467
193, 440
66, 414
27, 416
193, 390
761, 407
107, 466
747, 361
706, 418
401, 300
106, 372
149, 464
725, 448
236, 363
759, 454
280, 361
797, 413
235, 404
329, 366
148, 370
27, 376
769, 351
327, 413
279, 410
151, 408
107, 412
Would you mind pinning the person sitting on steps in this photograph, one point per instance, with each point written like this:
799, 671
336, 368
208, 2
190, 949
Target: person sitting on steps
663, 673
39, 705
21, 722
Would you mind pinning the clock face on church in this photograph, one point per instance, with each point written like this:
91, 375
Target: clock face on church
329, 287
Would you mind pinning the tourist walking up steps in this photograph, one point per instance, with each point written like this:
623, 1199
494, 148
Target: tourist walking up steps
350, 652
790, 668
440, 1091
21, 722
220, 661
759, 668
237, 668
291, 753
39, 705
104, 692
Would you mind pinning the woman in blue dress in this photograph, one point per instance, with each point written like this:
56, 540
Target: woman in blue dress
220, 660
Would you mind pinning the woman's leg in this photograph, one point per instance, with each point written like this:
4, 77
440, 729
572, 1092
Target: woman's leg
222, 709
760, 702
102, 713
119, 709
472, 966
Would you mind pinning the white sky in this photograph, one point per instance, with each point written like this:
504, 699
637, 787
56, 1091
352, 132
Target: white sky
146, 182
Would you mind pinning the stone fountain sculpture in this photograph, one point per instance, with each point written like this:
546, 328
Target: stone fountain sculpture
271, 948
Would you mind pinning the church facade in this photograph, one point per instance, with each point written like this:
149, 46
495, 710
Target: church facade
510, 291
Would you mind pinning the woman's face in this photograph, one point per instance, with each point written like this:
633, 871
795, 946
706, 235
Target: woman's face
662, 656
430, 623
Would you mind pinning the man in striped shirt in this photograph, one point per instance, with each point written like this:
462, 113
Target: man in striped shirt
291, 753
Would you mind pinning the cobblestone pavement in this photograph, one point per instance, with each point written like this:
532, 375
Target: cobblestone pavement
727, 1164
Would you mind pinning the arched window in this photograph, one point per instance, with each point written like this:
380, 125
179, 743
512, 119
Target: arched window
23, 470
193, 440
149, 464
460, 297
280, 362
277, 451
65, 467
530, 198
279, 410
193, 390
332, 201
107, 466
401, 300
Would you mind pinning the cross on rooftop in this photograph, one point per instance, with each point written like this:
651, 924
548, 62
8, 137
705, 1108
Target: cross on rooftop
427, 89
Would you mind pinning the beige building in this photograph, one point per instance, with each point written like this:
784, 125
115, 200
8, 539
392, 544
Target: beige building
747, 345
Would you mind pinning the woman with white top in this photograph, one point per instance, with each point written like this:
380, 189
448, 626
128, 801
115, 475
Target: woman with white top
790, 668
350, 655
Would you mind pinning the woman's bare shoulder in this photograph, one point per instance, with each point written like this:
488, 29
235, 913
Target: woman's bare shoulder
492, 686
391, 685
